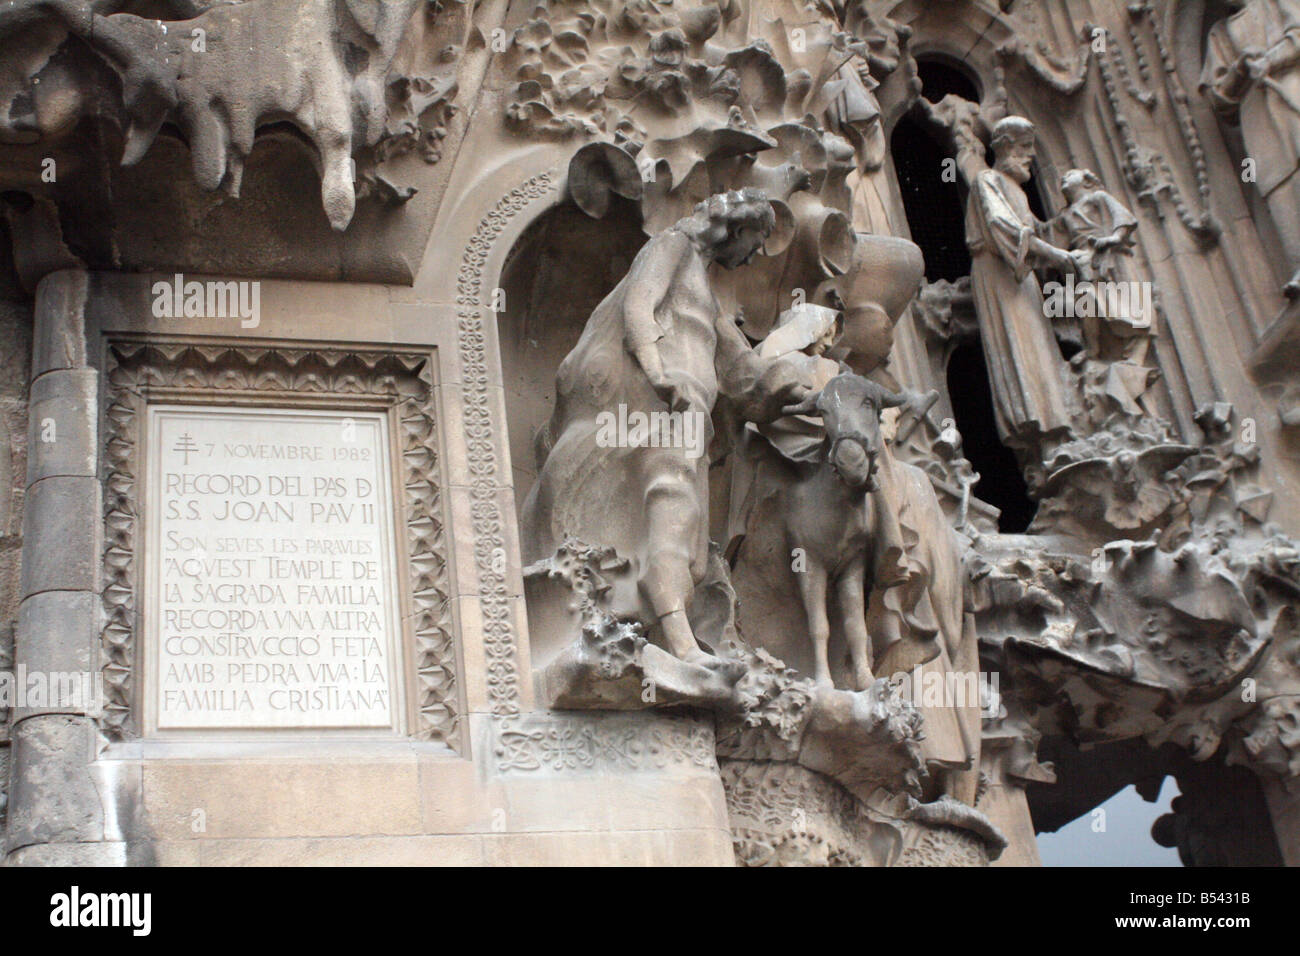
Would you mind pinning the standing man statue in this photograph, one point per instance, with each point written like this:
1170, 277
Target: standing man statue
1252, 71
1028, 376
658, 345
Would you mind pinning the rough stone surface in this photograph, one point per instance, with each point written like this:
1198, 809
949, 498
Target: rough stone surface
61, 334
53, 797
52, 640
62, 425
60, 526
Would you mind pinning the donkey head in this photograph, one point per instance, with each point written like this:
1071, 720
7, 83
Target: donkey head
850, 408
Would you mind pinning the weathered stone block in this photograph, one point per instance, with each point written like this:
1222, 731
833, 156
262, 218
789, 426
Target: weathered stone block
243, 799
61, 535
56, 631
53, 798
60, 322
61, 432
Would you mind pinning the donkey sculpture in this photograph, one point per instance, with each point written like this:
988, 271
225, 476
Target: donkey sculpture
830, 517
829, 512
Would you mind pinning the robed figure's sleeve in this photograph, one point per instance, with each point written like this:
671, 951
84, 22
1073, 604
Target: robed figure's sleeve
1117, 216
754, 385
1222, 85
648, 280
1005, 234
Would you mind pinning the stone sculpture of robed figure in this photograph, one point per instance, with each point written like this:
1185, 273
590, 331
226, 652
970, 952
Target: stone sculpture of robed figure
659, 343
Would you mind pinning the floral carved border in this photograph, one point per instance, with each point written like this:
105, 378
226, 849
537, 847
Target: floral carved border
577, 742
485, 511
400, 380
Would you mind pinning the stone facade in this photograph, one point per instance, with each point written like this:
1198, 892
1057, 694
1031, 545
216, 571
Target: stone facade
707, 433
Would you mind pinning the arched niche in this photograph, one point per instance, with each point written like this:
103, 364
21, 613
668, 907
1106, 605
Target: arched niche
554, 275
941, 74
934, 198
934, 202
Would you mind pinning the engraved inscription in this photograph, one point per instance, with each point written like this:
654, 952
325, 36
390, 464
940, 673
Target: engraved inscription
270, 570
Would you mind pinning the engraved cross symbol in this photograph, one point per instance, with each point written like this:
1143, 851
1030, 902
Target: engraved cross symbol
186, 446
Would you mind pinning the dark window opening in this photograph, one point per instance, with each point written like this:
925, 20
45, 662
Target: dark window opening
934, 197
939, 78
1001, 484
935, 203
1034, 193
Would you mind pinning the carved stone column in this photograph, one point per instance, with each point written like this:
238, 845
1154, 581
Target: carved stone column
56, 815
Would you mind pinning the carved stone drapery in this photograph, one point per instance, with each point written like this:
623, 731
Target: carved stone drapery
136, 371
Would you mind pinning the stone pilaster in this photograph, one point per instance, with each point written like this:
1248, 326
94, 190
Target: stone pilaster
56, 812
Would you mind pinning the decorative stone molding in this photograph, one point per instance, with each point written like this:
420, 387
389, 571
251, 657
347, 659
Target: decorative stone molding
782, 815
137, 371
945, 846
576, 742
481, 436
1150, 173
786, 815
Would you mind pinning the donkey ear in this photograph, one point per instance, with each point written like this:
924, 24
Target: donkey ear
890, 399
807, 407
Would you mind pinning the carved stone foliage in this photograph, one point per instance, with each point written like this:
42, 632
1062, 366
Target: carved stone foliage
138, 372
545, 743
220, 71
1196, 646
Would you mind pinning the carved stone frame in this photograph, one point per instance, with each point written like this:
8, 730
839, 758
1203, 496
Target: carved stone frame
189, 371
499, 636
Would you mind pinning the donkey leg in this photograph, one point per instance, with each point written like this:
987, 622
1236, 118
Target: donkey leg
853, 607
812, 590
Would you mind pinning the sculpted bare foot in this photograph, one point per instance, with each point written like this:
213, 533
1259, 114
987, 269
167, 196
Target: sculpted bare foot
727, 668
701, 657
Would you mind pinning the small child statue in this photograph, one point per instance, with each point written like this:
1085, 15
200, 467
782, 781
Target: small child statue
1116, 311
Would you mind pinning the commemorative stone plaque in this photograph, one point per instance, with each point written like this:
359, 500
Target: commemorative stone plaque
270, 571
